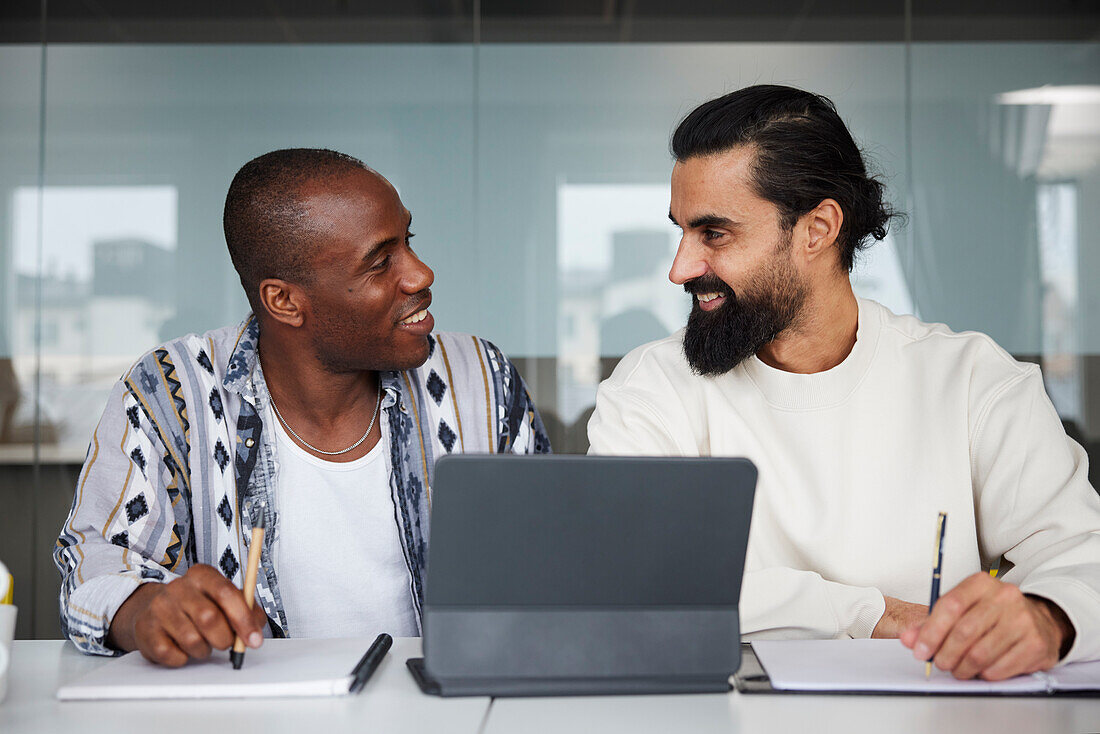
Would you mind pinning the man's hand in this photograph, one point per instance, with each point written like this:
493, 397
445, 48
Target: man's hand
989, 629
898, 617
171, 623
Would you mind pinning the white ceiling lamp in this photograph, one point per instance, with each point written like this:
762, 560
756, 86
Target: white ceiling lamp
1050, 94
1069, 146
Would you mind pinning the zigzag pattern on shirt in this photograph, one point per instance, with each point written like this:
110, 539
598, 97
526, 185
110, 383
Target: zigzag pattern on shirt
146, 383
172, 553
175, 390
156, 387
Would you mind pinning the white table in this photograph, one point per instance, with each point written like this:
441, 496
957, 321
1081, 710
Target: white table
768, 713
391, 702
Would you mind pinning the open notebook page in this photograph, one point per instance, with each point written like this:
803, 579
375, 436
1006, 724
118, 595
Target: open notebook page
888, 666
279, 668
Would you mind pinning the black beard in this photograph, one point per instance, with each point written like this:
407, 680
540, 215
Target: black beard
717, 341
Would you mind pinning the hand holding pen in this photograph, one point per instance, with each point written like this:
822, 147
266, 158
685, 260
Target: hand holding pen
987, 628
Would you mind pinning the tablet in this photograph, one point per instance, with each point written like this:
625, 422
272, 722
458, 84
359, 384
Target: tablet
567, 575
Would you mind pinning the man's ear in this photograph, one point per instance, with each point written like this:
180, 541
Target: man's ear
823, 226
283, 301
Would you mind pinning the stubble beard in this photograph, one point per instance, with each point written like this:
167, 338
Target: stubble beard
337, 343
339, 349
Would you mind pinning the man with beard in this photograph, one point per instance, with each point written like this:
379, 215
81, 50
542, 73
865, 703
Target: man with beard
864, 425
322, 413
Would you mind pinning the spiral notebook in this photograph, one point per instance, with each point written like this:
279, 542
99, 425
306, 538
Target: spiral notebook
280, 668
886, 666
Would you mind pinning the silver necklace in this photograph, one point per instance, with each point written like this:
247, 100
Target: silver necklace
309, 446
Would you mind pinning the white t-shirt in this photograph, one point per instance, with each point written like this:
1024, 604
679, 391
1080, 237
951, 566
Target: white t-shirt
857, 461
337, 554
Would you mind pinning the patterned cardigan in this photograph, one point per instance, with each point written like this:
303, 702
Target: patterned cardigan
180, 467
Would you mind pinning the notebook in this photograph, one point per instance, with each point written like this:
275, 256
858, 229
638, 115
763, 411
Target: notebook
886, 666
280, 668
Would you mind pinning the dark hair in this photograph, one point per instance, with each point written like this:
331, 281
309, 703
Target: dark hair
266, 224
804, 155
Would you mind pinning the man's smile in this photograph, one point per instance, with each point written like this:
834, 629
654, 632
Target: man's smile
416, 317
418, 310
420, 320
710, 301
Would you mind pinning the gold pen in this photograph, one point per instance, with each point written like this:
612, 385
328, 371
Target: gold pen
941, 526
249, 588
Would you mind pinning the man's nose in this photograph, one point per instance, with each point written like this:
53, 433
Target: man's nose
419, 276
687, 265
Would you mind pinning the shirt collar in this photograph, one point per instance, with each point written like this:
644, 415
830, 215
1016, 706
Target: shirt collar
244, 357
391, 388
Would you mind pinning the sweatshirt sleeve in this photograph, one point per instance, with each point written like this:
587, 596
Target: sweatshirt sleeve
781, 603
120, 523
1036, 507
775, 602
623, 423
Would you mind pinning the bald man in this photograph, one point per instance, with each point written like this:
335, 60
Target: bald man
323, 413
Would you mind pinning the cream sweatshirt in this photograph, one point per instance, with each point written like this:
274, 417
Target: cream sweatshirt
856, 462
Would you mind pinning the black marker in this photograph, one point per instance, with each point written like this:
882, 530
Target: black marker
369, 662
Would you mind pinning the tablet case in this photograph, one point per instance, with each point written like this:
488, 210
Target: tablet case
533, 687
574, 575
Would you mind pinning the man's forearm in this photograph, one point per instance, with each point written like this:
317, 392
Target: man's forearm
898, 617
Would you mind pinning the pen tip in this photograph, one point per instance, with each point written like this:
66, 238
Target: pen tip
237, 658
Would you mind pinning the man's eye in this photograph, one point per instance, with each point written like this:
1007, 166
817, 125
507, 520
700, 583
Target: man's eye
409, 236
381, 264
710, 234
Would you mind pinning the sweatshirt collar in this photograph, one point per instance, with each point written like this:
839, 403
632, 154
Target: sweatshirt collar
794, 391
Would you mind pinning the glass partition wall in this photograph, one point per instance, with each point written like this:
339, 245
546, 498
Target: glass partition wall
530, 141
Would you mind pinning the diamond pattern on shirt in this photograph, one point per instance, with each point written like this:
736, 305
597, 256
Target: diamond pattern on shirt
446, 436
136, 508
221, 455
436, 387
225, 511
204, 360
228, 563
138, 458
216, 403
121, 539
